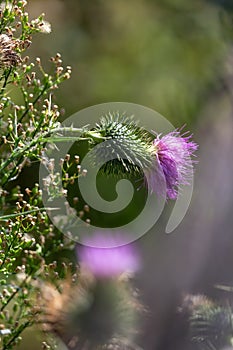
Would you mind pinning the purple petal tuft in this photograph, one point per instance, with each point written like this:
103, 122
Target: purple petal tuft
106, 261
173, 164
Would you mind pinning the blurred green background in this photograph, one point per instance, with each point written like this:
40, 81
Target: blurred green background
174, 56
167, 55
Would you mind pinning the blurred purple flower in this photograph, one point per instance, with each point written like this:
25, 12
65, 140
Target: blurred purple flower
173, 165
105, 259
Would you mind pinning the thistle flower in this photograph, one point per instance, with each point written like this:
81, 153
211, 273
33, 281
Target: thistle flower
106, 257
172, 163
90, 314
8, 55
165, 161
94, 312
210, 324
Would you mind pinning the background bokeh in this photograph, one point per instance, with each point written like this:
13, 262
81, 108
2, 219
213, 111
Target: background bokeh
174, 56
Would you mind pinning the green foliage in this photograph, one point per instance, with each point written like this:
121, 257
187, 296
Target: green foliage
32, 250
168, 54
28, 117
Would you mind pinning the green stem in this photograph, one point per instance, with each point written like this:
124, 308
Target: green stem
10, 216
4, 259
34, 102
6, 76
16, 291
27, 109
20, 330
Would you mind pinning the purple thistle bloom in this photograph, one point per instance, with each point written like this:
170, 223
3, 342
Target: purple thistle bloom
104, 260
173, 165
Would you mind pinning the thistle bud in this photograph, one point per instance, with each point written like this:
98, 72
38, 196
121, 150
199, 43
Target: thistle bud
98, 310
210, 324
